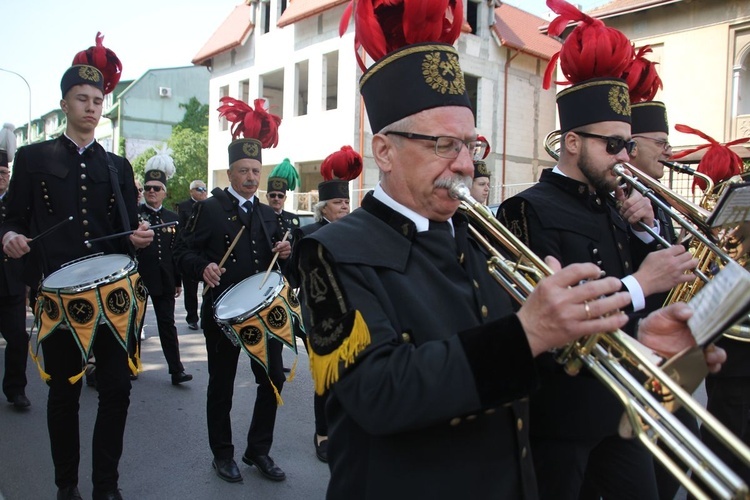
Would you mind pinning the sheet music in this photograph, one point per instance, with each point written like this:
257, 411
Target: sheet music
733, 207
720, 302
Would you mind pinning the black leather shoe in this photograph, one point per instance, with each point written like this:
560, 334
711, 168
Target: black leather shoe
109, 495
193, 326
178, 378
321, 449
69, 493
226, 468
20, 401
266, 466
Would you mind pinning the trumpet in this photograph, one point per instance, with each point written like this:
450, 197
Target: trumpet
619, 362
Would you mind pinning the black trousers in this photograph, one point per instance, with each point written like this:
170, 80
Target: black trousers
13, 329
190, 297
170, 345
223, 357
62, 359
728, 399
609, 468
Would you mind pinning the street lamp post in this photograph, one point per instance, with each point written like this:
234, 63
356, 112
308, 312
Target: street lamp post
28, 125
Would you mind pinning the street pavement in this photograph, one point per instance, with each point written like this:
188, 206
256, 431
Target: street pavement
166, 454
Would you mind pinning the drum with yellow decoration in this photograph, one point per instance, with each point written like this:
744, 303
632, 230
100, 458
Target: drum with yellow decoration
258, 307
93, 290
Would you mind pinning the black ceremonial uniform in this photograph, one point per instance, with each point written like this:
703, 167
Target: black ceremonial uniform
13, 321
52, 181
559, 217
209, 233
160, 275
432, 407
189, 286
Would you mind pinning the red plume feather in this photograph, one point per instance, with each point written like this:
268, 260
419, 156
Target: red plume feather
642, 78
104, 60
251, 123
719, 162
344, 164
383, 26
591, 50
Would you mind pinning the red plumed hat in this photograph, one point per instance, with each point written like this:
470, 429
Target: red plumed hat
249, 126
102, 59
338, 169
592, 50
642, 78
719, 162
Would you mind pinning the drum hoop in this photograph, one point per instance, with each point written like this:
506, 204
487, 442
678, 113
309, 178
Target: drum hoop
116, 275
244, 316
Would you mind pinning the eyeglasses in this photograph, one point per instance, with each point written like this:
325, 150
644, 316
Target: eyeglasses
276, 196
200, 189
4, 173
614, 144
152, 188
446, 146
662, 143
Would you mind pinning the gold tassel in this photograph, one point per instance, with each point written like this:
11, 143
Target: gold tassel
133, 368
75, 378
279, 401
325, 368
293, 371
45, 376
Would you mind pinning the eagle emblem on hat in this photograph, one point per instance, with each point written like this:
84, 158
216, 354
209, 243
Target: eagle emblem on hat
442, 73
89, 73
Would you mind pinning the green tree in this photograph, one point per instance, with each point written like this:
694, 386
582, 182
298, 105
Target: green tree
196, 115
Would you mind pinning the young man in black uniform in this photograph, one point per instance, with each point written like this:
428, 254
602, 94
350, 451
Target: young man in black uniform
155, 262
53, 180
198, 193
12, 311
426, 364
208, 235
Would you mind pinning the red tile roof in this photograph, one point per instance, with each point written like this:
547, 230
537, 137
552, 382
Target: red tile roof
519, 29
233, 32
298, 10
616, 7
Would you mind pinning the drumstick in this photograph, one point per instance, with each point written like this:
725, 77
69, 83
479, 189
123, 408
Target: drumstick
226, 255
46, 232
273, 261
126, 233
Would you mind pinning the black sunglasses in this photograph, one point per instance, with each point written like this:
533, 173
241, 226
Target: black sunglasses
614, 144
152, 188
200, 189
276, 195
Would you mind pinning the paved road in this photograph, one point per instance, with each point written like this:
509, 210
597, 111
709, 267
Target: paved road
166, 453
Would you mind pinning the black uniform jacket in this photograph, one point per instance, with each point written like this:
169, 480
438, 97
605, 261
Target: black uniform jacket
184, 210
559, 217
11, 282
52, 182
209, 233
432, 407
155, 262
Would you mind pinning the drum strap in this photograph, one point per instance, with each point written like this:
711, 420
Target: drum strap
120, 201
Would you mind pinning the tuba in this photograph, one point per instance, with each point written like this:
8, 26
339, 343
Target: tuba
646, 392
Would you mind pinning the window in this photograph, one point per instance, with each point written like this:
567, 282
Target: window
223, 123
244, 92
266, 16
331, 80
272, 89
472, 88
301, 93
472, 16
282, 7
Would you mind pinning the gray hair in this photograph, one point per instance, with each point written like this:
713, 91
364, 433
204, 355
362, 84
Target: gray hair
318, 210
195, 183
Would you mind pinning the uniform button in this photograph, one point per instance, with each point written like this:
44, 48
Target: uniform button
455, 421
83, 176
598, 201
85, 222
519, 424
253, 242
581, 189
489, 411
484, 311
234, 260
83, 165
84, 200
256, 261
84, 211
461, 258
524, 452
595, 251
50, 210
470, 418
46, 197
476, 285
627, 265
86, 234
406, 337
44, 183
83, 188
619, 245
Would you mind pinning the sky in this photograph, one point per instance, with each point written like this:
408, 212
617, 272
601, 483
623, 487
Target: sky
42, 36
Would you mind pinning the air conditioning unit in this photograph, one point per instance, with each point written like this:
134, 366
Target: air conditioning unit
165, 92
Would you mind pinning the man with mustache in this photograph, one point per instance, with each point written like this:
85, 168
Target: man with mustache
213, 226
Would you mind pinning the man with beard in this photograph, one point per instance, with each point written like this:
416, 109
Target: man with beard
572, 215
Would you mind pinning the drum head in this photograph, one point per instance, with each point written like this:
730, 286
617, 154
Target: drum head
247, 298
88, 272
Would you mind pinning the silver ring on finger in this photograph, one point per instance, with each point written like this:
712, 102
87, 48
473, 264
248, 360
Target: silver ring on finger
587, 309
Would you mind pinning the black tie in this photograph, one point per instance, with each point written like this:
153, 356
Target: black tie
248, 206
440, 226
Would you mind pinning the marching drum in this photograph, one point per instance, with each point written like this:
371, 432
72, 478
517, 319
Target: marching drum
249, 313
86, 292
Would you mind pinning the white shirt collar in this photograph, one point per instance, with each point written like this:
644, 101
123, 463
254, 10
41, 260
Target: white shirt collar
239, 197
422, 222
81, 150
